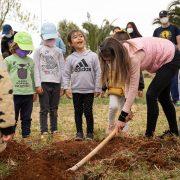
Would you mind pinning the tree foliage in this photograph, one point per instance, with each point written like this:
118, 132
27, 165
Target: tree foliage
64, 27
95, 34
12, 9
174, 13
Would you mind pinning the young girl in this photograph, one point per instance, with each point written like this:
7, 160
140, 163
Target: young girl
49, 65
21, 70
83, 69
116, 91
155, 55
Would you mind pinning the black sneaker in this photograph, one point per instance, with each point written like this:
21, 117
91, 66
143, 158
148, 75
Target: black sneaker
79, 136
166, 133
89, 136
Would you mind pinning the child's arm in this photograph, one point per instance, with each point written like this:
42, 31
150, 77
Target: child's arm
37, 75
141, 85
97, 70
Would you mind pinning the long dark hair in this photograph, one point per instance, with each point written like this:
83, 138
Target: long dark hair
135, 30
114, 50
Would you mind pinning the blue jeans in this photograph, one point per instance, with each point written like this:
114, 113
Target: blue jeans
174, 88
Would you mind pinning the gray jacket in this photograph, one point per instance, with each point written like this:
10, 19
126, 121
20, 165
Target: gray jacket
83, 71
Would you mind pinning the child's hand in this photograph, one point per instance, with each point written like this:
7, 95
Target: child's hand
7, 138
96, 94
140, 93
39, 90
34, 97
68, 93
61, 92
102, 94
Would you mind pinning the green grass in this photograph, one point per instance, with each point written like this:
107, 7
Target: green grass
67, 128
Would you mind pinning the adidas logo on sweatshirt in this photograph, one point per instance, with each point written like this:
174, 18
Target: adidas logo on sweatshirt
82, 66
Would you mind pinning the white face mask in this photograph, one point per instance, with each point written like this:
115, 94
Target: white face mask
8, 35
129, 30
164, 20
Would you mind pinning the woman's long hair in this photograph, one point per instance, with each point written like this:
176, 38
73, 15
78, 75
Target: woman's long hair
136, 32
119, 60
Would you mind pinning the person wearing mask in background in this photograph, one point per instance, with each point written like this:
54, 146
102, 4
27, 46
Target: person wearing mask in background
7, 39
60, 44
132, 30
172, 33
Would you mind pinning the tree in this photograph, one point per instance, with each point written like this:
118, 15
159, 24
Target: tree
174, 13
95, 34
12, 9
64, 28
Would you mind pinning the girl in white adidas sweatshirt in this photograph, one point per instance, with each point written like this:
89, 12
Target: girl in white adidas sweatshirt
82, 69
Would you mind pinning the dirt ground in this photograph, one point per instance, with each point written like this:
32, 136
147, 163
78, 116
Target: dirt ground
53, 161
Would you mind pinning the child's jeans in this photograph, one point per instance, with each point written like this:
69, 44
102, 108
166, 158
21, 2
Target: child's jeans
116, 104
23, 105
49, 102
83, 103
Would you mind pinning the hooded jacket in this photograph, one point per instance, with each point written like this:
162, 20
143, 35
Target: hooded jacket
83, 71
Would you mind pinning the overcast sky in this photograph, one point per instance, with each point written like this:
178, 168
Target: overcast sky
142, 12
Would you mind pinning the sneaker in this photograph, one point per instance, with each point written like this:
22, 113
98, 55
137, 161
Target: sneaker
79, 136
27, 140
89, 136
166, 134
149, 135
56, 136
44, 136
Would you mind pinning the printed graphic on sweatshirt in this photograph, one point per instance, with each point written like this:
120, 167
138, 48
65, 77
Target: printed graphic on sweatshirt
22, 73
82, 66
49, 64
166, 34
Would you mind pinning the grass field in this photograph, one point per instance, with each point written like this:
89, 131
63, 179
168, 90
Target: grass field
66, 124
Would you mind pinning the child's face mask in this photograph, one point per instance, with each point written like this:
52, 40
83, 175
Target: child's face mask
50, 42
22, 53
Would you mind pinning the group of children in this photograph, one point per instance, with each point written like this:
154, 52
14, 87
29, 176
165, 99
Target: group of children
83, 74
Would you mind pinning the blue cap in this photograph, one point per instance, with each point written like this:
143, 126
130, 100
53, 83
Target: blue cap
6, 29
48, 31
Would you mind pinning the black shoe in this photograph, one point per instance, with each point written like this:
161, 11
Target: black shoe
167, 133
149, 135
2, 113
79, 136
89, 136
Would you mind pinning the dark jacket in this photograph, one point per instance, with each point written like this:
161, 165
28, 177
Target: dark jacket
5, 42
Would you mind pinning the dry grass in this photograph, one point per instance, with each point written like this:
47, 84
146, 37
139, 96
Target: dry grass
66, 126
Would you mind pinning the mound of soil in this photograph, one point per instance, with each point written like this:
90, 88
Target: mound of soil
123, 154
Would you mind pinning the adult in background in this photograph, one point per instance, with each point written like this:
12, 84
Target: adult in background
8, 37
172, 33
60, 44
132, 30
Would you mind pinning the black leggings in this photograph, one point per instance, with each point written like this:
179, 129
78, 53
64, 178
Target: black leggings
83, 104
159, 90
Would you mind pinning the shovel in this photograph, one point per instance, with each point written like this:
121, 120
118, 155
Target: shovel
92, 153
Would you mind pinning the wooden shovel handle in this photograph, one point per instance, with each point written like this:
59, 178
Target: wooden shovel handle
93, 152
